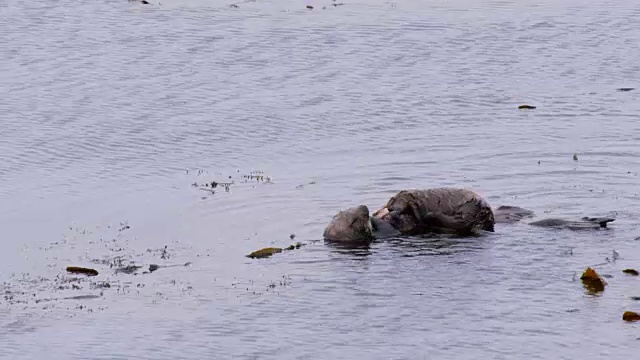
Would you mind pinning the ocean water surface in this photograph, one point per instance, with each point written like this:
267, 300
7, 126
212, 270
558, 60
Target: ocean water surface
111, 110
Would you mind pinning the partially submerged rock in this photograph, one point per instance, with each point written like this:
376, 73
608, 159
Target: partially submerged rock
592, 281
264, 253
82, 270
630, 316
631, 272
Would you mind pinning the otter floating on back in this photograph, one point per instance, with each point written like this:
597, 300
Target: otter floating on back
438, 210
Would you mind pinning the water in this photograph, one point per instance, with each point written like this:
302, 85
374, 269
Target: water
109, 108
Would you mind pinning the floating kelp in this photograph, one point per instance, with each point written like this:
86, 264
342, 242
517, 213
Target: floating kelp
625, 89
264, 253
592, 281
631, 272
116, 262
82, 270
267, 252
530, 107
630, 316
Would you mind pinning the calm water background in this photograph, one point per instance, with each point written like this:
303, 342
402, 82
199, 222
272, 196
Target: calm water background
105, 105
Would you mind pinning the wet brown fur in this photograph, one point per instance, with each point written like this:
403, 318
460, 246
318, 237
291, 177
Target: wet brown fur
350, 225
438, 210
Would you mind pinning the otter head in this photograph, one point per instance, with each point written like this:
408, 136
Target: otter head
350, 225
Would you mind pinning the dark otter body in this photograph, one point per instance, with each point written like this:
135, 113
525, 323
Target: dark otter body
414, 212
439, 210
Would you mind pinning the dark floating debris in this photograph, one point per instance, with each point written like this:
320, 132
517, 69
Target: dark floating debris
575, 157
636, 298
153, 267
124, 226
209, 186
101, 285
258, 176
526, 107
631, 272
130, 269
82, 270
626, 89
630, 316
309, 7
82, 297
592, 281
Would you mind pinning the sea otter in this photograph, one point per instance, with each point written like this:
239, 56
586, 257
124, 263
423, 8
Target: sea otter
438, 210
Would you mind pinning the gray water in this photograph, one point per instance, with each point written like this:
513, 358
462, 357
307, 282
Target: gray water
110, 110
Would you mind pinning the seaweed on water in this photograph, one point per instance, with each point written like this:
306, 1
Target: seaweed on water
630, 316
264, 253
592, 281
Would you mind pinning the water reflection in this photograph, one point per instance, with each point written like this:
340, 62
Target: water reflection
435, 245
355, 249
